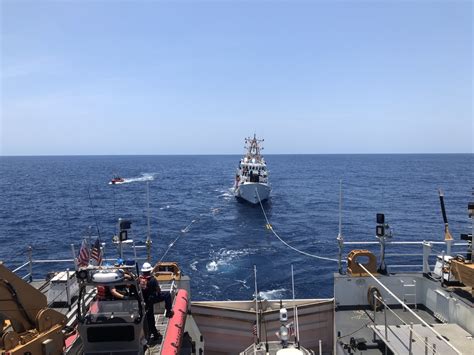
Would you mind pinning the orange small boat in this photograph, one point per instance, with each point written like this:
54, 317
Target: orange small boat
116, 180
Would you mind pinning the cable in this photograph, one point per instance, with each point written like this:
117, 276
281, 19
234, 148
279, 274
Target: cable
269, 226
183, 231
355, 331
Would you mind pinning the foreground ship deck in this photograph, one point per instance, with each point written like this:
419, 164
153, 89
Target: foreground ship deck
373, 311
360, 329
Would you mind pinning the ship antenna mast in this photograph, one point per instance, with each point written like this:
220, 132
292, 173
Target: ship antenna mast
340, 238
295, 311
148, 238
256, 305
447, 235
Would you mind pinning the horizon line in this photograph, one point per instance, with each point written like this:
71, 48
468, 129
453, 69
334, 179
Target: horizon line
208, 154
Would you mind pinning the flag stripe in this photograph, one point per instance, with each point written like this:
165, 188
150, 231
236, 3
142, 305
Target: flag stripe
83, 259
96, 253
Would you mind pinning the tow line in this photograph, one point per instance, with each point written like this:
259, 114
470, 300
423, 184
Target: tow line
269, 227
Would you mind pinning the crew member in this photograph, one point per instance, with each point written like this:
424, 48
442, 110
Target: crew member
153, 294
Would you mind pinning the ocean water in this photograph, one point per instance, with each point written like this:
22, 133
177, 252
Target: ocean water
50, 202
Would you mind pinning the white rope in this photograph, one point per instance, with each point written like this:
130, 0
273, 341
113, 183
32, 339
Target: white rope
281, 240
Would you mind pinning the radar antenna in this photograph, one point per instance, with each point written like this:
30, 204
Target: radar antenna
148, 237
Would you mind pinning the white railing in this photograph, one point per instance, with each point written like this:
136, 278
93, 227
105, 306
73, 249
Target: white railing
428, 251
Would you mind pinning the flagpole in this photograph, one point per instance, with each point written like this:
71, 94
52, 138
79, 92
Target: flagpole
90, 245
74, 255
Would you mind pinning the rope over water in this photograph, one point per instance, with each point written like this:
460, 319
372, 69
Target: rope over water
269, 227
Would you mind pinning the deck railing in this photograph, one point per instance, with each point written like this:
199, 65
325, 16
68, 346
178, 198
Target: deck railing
68, 265
430, 249
411, 331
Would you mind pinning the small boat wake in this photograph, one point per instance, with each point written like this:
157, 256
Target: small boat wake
142, 178
226, 194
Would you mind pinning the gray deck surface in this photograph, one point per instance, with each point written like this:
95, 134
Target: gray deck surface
399, 335
355, 323
161, 323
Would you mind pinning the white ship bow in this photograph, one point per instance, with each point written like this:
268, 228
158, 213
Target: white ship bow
253, 191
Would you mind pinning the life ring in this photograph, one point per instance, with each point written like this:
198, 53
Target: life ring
370, 298
106, 277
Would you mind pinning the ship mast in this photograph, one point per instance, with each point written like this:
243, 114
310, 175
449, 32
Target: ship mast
148, 238
253, 147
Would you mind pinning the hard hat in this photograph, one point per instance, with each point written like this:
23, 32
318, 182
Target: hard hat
146, 267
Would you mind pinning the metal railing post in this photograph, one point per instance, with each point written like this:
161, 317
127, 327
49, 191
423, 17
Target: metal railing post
375, 309
426, 254
385, 320
411, 339
68, 291
449, 243
74, 255
442, 268
426, 345
134, 251
320, 347
30, 265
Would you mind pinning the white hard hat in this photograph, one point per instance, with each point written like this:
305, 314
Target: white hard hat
147, 267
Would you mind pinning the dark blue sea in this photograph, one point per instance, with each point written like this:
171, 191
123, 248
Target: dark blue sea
45, 203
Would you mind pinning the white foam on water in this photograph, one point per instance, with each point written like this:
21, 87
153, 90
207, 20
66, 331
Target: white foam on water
226, 194
224, 257
143, 177
272, 294
194, 265
212, 266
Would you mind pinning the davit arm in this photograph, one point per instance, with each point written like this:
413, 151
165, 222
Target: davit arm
32, 322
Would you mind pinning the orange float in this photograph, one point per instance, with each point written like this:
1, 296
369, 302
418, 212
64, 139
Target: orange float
175, 331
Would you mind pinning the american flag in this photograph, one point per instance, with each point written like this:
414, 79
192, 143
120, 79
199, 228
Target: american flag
83, 258
96, 253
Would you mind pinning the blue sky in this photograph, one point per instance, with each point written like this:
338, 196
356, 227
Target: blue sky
191, 77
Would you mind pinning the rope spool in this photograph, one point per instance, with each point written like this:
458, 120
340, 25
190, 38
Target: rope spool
373, 302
